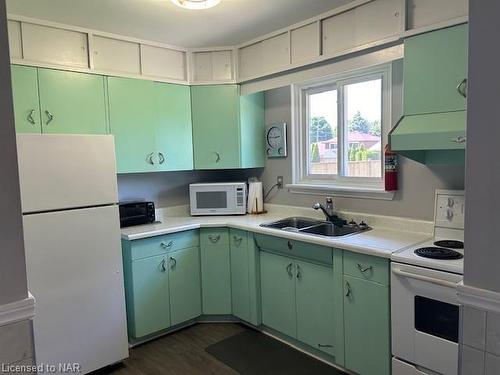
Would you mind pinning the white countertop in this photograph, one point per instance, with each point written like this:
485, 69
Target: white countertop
385, 238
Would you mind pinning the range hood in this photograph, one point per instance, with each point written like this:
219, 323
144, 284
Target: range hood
433, 138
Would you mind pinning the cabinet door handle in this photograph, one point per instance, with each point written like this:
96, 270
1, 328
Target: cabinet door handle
30, 118
173, 263
162, 158
460, 139
162, 265
462, 88
289, 245
299, 274
348, 289
50, 117
167, 245
325, 346
217, 157
149, 159
364, 269
214, 239
289, 270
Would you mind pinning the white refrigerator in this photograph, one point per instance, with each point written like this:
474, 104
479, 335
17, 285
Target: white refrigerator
73, 252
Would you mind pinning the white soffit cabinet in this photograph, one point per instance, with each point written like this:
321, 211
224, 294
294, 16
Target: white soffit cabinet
163, 62
305, 43
116, 55
15, 45
54, 45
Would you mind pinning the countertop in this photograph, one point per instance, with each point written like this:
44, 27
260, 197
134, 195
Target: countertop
386, 236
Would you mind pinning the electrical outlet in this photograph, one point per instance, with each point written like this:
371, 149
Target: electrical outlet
279, 182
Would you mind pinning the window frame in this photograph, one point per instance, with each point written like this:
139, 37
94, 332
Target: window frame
300, 130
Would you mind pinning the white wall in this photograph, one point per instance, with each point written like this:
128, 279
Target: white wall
417, 182
13, 284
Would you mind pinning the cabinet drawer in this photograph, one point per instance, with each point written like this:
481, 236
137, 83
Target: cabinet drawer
161, 244
366, 267
297, 249
214, 236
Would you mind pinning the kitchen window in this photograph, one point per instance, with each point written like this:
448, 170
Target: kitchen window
340, 130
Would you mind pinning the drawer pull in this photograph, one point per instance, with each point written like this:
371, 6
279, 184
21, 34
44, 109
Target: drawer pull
167, 245
460, 139
364, 269
325, 346
30, 118
290, 245
237, 240
214, 239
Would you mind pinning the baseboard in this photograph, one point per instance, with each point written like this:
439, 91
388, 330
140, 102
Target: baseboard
17, 311
480, 298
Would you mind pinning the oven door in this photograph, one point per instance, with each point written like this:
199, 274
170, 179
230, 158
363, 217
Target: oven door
425, 317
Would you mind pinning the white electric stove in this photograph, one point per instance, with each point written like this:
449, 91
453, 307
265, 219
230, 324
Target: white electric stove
424, 303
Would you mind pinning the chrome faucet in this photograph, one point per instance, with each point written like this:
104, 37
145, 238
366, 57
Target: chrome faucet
327, 210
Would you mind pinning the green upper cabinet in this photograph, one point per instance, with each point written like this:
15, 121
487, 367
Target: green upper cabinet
435, 64
72, 103
215, 271
132, 120
367, 326
26, 101
228, 130
174, 133
252, 123
151, 122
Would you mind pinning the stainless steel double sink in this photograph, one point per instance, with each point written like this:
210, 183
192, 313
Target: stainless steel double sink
313, 227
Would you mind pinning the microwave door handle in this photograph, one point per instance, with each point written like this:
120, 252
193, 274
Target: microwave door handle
410, 275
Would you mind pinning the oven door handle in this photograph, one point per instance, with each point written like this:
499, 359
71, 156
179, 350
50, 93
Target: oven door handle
445, 283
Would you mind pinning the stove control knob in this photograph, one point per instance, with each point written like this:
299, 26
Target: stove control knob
363, 225
352, 223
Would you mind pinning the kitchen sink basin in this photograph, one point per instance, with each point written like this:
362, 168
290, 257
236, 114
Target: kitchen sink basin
330, 230
315, 227
293, 224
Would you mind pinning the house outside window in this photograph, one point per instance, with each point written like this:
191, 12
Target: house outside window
340, 129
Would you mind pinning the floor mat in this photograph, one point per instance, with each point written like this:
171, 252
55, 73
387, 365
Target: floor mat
253, 353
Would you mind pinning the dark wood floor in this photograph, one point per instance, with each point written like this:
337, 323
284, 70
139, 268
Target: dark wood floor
182, 352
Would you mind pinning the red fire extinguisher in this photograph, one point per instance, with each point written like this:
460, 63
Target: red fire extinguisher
390, 169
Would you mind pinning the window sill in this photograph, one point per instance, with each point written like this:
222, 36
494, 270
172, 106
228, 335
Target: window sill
341, 191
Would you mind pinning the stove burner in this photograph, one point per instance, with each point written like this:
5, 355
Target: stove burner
450, 244
438, 253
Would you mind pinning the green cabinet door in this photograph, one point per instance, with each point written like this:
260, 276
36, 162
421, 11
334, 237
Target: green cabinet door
435, 64
252, 125
240, 278
25, 97
185, 287
216, 131
174, 135
367, 327
151, 311
278, 293
315, 306
72, 103
216, 279
132, 115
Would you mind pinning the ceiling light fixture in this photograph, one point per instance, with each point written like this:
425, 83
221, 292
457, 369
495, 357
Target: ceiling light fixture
196, 4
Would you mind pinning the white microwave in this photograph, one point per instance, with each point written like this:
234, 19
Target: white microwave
222, 198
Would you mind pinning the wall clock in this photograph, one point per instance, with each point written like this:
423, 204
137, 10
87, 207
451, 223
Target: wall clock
276, 140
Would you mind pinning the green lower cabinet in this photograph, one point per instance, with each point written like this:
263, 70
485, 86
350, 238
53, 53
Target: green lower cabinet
72, 103
367, 327
315, 306
149, 309
215, 273
278, 293
185, 285
25, 97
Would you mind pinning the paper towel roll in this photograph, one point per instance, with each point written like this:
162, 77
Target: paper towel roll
255, 198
